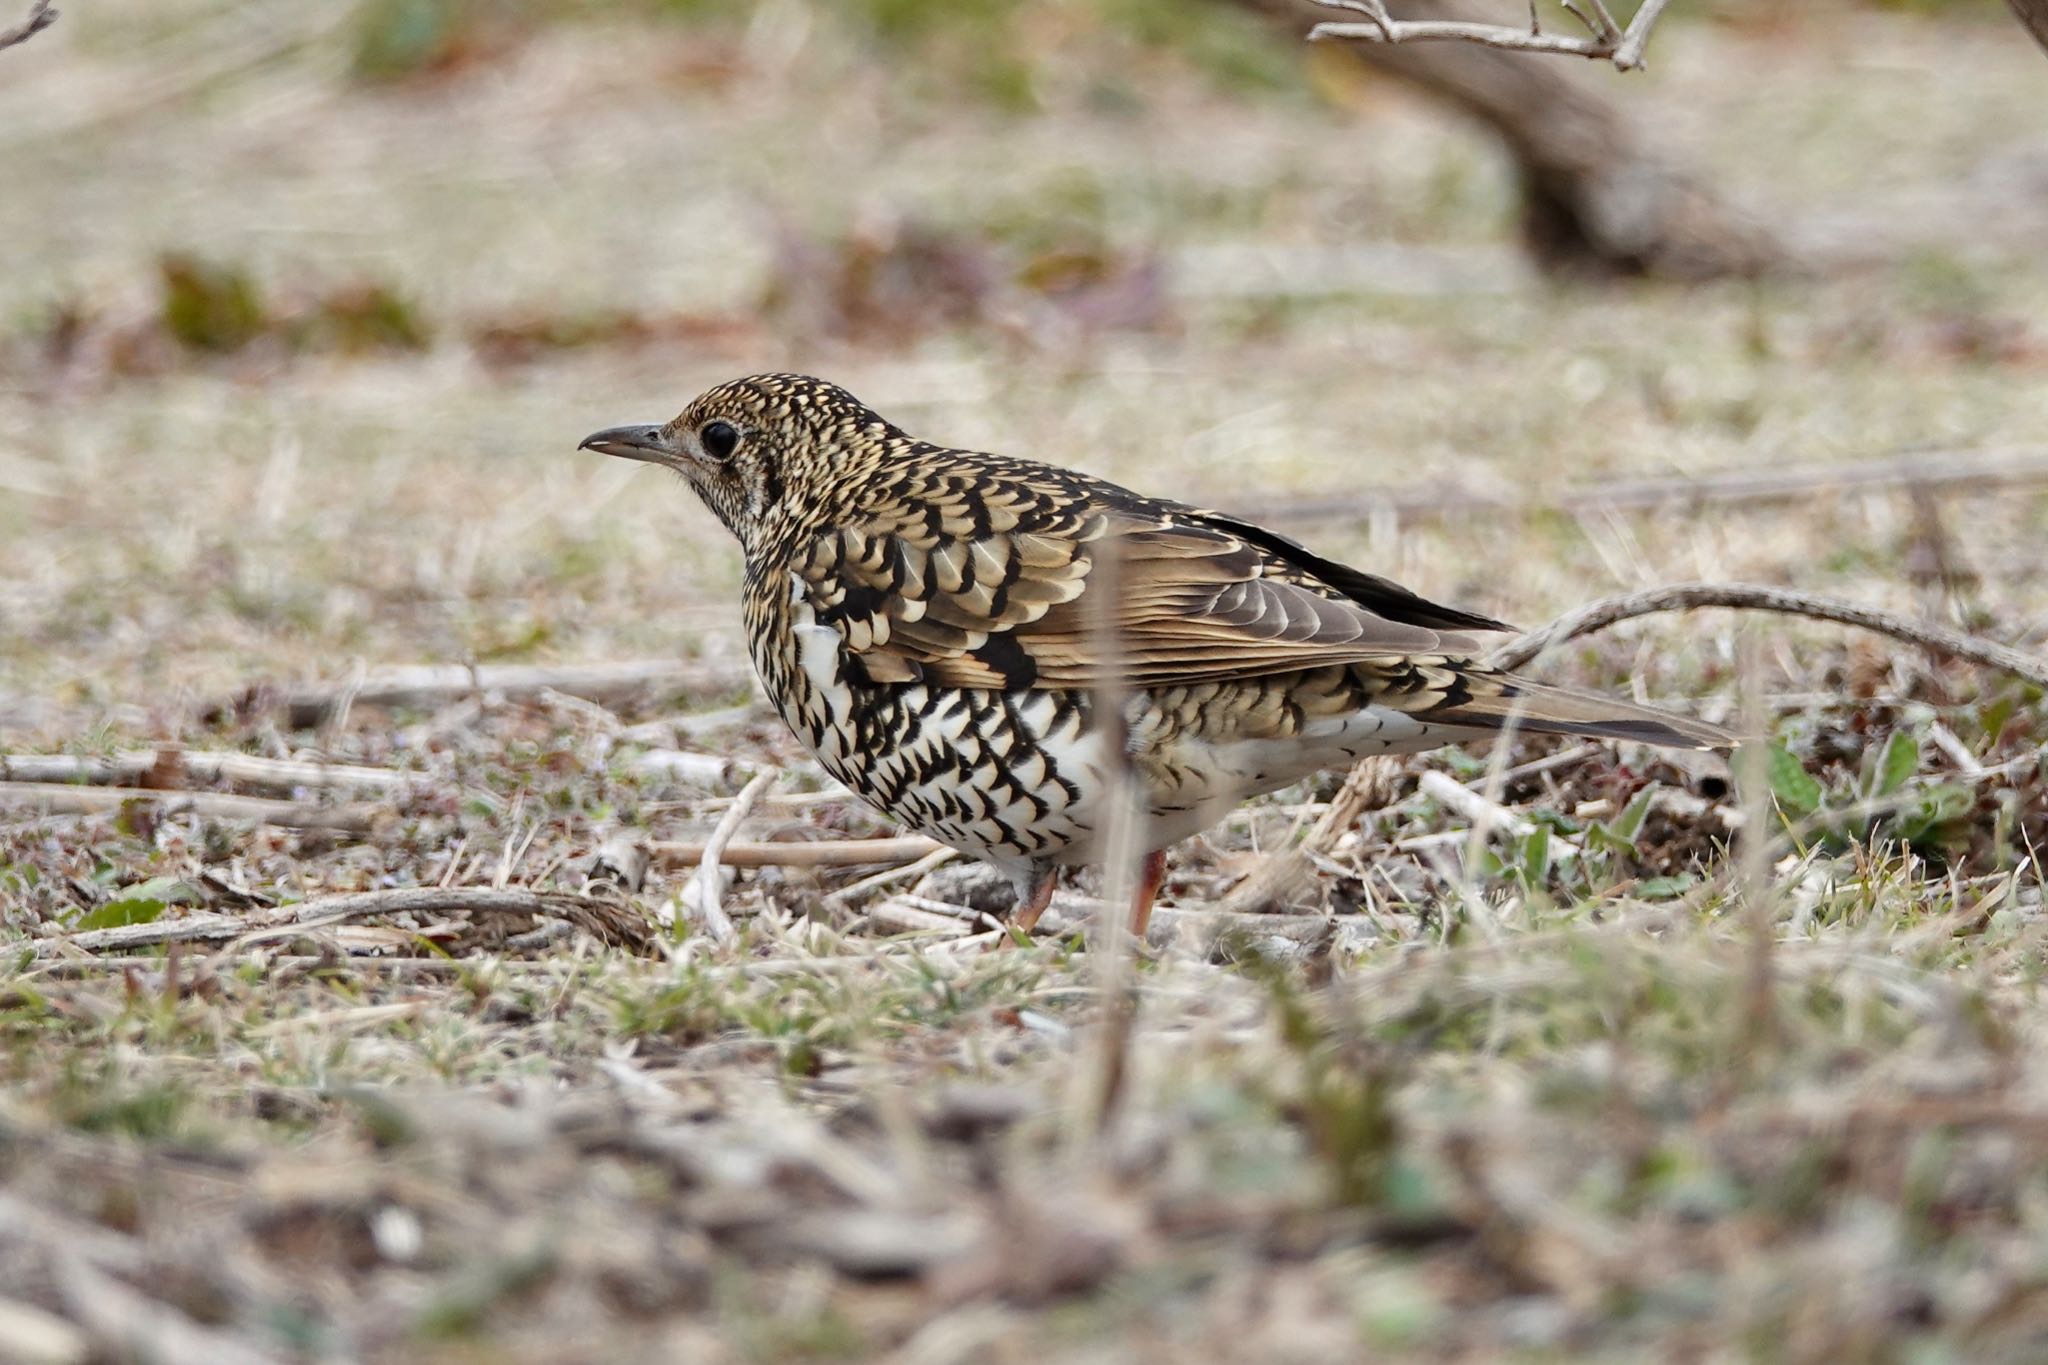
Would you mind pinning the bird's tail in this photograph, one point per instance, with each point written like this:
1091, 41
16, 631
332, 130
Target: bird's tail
1536, 708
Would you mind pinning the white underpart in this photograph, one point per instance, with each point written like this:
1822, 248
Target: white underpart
1216, 776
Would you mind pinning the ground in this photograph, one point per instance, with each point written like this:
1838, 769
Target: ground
306, 308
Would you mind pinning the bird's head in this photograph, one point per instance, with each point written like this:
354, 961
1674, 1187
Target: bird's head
765, 453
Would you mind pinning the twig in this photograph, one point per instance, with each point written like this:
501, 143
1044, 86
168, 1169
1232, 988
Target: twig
1629, 56
40, 17
1484, 813
206, 766
1605, 40
1689, 596
915, 915
607, 921
822, 853
931, 862
1952, 745
58, 798
705, 901
1599, 23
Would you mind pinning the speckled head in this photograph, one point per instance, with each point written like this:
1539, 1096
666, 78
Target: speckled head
762, 452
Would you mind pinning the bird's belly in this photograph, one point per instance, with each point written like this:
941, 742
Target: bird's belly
1010, 776
1195, 774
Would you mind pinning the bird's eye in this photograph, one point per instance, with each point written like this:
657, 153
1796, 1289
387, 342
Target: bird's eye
720, 439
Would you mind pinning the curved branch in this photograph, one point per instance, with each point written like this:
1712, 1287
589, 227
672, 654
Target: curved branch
1749, 597
1604, 41
40, 17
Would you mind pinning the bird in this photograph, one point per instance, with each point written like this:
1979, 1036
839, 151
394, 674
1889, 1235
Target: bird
995, 651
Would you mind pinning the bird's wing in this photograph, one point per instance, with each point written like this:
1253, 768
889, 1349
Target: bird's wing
1008, 598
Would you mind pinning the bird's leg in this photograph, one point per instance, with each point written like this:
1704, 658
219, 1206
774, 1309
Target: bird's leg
1031, 904
1151, 873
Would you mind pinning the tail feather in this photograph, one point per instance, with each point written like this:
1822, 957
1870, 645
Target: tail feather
1537, 708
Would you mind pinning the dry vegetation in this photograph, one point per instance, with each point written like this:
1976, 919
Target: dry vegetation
305, 309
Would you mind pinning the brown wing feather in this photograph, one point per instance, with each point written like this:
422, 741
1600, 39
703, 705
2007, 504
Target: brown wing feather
1013, 603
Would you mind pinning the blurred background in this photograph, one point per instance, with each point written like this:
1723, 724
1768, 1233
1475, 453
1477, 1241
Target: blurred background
306, 305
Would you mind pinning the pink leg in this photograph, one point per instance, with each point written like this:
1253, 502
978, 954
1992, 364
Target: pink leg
1029, 908
1150, 875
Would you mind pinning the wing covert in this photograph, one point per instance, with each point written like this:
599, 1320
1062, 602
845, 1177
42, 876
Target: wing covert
1003, 600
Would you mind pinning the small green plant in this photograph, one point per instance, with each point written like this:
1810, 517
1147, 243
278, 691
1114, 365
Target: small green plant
1882, 797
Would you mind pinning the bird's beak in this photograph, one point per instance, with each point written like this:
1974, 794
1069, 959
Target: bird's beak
634, 443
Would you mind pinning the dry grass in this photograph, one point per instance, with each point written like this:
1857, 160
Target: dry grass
1505, 1101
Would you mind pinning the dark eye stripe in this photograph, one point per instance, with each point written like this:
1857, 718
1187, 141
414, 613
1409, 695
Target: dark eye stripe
720, 439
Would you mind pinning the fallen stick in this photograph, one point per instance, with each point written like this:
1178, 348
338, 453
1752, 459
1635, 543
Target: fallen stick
937, 858
424, 685
607, 921
130, 765
1749, 597
910, 915
823, 853
59, 798
1486, 814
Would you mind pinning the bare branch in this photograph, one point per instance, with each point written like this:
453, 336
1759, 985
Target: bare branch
1485, 813
1688, 596
1599, 23
1629, 56
40, 17
1605, 40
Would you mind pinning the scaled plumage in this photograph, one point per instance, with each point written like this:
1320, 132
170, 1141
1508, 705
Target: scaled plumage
937, 626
